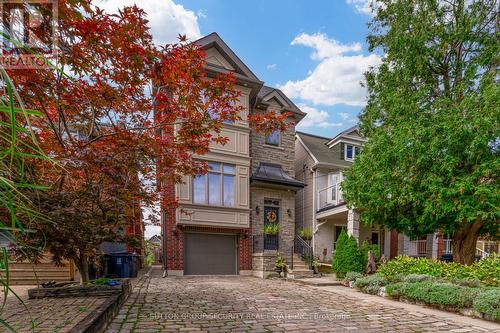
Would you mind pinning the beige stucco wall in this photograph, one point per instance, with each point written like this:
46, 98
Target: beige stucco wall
237, 152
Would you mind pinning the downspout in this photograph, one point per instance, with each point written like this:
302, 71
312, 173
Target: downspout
314, 211
164, 243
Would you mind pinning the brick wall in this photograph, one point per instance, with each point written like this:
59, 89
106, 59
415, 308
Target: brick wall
175, 243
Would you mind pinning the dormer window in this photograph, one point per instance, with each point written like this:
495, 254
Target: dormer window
350, 152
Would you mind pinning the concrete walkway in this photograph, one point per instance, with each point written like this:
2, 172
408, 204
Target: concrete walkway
248, 304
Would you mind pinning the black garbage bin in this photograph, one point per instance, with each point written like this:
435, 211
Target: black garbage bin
122, 265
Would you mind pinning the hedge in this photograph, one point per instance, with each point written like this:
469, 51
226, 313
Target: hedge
435, 293
486, 270
371, 283
352, 276
488, 302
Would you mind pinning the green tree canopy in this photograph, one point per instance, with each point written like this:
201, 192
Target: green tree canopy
432, 122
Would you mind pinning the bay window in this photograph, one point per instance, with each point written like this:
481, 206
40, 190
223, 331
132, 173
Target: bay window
217, 187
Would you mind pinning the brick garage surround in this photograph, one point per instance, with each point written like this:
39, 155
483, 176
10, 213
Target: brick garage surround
175, 243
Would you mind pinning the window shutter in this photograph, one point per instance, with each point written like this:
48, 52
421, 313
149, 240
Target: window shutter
342, 148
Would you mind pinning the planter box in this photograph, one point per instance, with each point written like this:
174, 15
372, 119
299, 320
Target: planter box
80, 291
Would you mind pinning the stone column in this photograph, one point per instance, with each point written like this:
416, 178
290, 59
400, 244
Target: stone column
432, 245
353, 224
387, 243
403, 244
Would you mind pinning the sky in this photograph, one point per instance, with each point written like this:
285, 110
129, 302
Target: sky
315, 51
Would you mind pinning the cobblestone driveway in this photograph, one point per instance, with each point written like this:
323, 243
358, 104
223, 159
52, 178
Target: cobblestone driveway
247, 304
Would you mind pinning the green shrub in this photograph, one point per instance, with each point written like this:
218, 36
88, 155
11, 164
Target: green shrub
394, 289
347, 257
412, 278
374, 280
365, 247
487, 270
441, 294
473, 283
488, 302
352, 276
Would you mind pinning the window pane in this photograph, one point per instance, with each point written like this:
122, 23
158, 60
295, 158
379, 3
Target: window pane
212, 166
214, 195
356, 150
199, 189
334, 192
348, 152
273, 138
229, 168
228, 190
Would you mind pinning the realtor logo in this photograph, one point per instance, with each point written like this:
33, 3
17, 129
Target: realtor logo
28, 33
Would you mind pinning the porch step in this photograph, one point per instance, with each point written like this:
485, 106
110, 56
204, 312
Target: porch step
300, 268
301, 274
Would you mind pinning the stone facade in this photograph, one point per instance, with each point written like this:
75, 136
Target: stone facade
283, 155
286, 222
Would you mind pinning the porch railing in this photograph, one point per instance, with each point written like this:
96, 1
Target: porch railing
481, 248
302, 248
417, 248
447, 246
329, 196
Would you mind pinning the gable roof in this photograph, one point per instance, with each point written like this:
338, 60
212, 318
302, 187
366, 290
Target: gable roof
267, 93
317, 147
155, 239
346, 133
214, 40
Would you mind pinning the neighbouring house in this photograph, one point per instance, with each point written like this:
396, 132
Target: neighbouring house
219, 226
320, 163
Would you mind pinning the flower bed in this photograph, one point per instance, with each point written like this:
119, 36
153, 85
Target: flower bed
471, 290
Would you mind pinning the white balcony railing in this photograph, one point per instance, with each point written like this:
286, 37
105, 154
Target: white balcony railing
447, 246
417, 248
483, 248
329, 196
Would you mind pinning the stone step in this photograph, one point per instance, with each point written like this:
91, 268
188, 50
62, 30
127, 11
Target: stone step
301, 274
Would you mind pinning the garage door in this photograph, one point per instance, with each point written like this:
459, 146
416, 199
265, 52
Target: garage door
207, 254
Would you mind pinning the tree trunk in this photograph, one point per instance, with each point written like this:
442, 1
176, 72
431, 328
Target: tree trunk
464, 242
82, 264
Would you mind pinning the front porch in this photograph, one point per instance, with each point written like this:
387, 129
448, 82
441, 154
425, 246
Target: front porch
328, 228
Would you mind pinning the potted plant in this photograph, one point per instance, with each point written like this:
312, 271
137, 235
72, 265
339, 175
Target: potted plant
280, 264
271, 236
306, 234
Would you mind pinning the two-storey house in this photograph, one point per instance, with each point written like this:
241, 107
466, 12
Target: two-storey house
250, 182
320, 163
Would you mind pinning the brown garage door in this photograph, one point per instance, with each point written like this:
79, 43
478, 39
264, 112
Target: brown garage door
207, 254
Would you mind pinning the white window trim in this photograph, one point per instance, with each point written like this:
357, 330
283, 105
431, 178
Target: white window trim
353, 152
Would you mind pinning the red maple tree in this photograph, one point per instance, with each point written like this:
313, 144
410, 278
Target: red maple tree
111, 105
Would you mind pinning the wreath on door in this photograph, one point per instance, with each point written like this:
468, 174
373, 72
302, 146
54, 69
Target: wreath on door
271, 216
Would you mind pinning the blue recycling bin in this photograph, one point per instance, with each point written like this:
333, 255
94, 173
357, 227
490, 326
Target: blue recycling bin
122, 265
